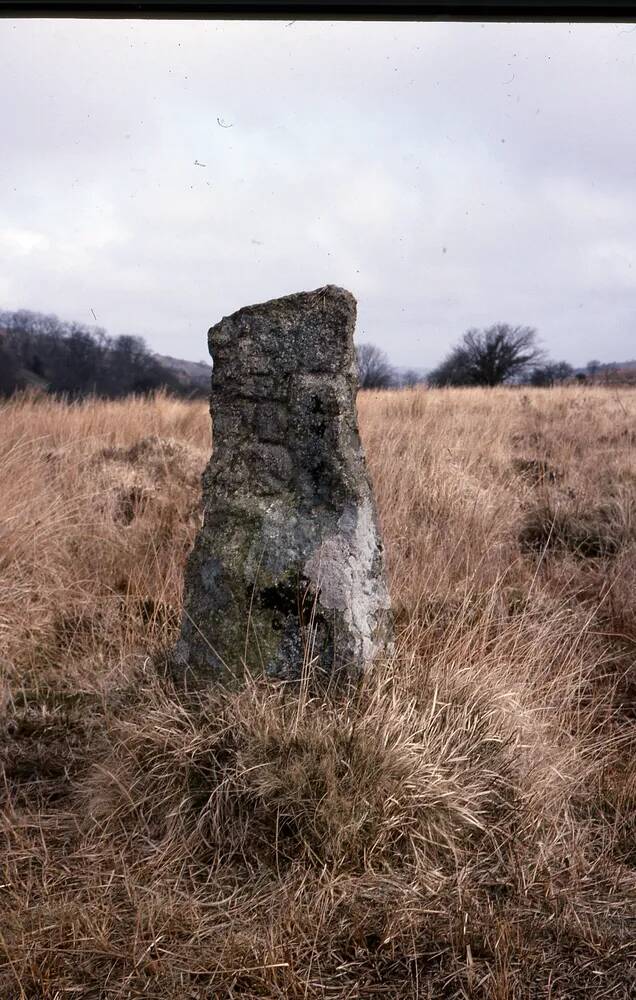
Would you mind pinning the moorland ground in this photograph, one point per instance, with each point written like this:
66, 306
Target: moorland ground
462, 825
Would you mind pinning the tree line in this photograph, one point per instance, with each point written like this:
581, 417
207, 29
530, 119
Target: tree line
44, 352
493, 356
71, 359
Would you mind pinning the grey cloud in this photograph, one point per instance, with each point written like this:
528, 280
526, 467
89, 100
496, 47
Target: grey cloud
451, 175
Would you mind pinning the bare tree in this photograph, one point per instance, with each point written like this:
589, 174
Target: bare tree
489, 357
551, 373
374, 368
410, 378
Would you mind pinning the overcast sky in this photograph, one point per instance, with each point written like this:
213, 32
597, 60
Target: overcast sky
159, 175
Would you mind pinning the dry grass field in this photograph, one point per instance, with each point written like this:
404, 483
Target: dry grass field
462, 825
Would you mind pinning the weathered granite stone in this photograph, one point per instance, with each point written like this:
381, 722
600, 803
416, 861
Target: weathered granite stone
287, 569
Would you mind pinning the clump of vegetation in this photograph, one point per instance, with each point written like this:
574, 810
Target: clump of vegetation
460, 825
589, 534
537, 470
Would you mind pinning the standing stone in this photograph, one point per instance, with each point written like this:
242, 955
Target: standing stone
287, 570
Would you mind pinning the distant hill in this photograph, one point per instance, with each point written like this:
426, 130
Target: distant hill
605, 366
609, 373
194, 374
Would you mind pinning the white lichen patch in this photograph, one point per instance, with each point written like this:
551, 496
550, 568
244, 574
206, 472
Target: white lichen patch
342, 571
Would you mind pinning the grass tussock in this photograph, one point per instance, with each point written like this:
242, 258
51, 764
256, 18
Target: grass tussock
589, 534
461, 825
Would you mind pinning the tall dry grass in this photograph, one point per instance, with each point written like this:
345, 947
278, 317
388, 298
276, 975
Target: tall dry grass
462, 825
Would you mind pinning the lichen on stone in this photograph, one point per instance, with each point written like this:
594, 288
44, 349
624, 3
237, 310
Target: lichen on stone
287, 572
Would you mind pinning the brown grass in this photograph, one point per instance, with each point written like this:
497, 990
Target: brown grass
460, 826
